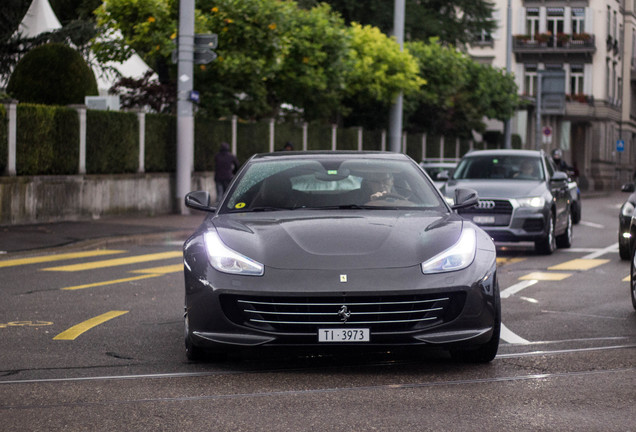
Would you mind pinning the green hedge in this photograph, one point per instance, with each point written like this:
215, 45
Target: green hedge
208, 136
160, 143
47, 140
112, 142
4, 143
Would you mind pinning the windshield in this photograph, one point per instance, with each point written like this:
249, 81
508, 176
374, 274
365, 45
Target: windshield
331, 183
500, 167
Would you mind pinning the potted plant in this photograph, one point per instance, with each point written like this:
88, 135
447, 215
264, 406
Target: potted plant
543, 37
584, 37
563, 38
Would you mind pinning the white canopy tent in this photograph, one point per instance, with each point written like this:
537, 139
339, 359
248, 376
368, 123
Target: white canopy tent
40, 18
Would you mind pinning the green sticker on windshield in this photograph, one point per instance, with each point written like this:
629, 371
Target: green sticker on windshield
332, 172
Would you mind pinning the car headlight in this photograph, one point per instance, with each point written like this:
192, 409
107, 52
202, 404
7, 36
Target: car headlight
457, 257
226, 260
536, 202
627, 209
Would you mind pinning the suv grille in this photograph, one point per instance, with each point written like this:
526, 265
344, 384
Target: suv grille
306, 314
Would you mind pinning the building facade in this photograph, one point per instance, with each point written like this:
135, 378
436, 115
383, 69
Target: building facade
590, 46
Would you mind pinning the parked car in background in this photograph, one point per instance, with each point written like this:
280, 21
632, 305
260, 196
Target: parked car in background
625, 238
339, 250
439, 171
627, 235
522, 197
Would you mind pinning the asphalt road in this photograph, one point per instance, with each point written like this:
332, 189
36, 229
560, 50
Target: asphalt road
94, 341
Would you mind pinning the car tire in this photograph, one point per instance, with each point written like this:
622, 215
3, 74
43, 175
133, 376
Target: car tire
565, 239
487, 352
623, 250
193, 352
576, 212
632, 278
547, 244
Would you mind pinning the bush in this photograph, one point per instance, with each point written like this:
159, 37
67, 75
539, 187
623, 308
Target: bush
161, 143
52, 74
47, 140
4, 118
112, 142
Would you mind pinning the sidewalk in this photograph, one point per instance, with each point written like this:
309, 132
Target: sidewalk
96, 233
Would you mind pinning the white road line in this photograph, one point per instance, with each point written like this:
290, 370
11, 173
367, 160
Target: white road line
517, 287
592, 224
512, 338
601, 252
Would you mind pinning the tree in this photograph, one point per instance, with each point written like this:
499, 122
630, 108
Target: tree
454, 22
460, 92
377, 72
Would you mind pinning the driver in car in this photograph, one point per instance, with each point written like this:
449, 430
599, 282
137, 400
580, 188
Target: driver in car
381, 185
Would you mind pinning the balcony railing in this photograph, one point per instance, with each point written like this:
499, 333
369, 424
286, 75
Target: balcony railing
546, 42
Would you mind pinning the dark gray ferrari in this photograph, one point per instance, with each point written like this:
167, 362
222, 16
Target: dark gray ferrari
339, 250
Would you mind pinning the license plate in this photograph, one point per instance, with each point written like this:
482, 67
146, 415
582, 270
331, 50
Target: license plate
344, 335
485, 220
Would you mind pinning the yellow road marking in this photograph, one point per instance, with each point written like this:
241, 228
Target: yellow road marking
76, 330
579, 264
163, 269
58, 257
502, 261
543, 276
110, 282
146, 274
116, 262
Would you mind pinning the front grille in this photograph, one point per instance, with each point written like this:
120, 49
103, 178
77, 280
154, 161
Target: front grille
306, 314
490, 206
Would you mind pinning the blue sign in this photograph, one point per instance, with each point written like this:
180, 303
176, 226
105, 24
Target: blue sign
194, 96
620, 145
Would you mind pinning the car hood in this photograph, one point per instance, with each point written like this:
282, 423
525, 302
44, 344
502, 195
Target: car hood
349, 240
497, 188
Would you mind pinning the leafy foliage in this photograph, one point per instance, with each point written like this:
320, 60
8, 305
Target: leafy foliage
460, 92
52, 74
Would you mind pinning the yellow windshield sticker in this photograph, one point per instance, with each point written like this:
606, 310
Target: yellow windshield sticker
239, 205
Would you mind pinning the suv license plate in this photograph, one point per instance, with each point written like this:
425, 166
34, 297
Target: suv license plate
344, 335
484, 220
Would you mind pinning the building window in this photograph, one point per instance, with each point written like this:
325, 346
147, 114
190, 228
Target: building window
578, 20
576, 79
530, 80
532, 22
556, 20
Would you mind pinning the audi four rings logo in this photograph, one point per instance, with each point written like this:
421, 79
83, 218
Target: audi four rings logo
486, 204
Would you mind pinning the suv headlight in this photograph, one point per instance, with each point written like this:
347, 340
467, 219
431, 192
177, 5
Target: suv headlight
627, 209
226, 260
457, 257
534, 202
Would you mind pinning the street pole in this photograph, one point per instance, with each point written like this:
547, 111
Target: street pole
395, 119
507, 128
185, 119
537, 138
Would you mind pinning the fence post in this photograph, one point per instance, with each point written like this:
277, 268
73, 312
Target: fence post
305, 127
271, 135
404, 142
423, 146
334, 130
234, 133
81, 114
441, 148
141, 119
457, 148
383, 142
12, 111
359, 138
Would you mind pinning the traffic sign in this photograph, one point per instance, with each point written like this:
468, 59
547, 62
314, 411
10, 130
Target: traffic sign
620, 145
547, 135
203, 46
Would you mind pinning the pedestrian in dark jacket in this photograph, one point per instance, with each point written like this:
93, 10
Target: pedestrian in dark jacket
225, 165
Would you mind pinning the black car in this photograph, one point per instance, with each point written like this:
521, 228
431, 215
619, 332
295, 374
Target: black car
624, 222
522, 197
339, 250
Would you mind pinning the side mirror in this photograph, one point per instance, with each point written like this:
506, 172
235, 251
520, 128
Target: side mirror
199, 200
443, 176
465, 198
628, 187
